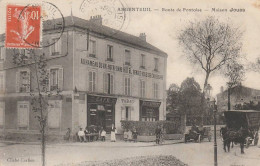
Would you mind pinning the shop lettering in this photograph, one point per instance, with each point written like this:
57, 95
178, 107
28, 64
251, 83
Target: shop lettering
151, 104
98, 99
127, 101
125, 69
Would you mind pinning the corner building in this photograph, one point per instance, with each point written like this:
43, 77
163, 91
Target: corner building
104, 75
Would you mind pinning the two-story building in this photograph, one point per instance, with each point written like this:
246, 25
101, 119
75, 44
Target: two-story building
104, 76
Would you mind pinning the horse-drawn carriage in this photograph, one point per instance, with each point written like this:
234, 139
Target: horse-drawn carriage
197, 134
242, 127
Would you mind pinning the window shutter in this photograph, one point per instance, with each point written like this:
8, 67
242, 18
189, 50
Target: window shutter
112, 83
94, 81
48, 84
90, 81
28, 88
60, 79
17, 81
123, 115
105, 83
59, 45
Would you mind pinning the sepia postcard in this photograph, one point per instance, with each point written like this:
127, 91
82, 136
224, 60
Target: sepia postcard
129, 82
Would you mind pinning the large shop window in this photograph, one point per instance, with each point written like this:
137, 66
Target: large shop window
56, 47
142, 88
2, 113
23, 81
92, 48
23, 114
149, 110
2, 82
56, 78
108, 83
126, 113
92, 81
54, 113
127, 86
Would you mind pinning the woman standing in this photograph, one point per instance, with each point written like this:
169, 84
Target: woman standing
113, 133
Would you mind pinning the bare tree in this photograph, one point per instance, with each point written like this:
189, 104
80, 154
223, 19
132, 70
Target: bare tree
210, 44
235, 73
39, 88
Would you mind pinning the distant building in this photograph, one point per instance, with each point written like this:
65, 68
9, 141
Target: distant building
239, 96
104, 77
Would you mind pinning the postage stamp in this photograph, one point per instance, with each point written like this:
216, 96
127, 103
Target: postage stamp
23, 26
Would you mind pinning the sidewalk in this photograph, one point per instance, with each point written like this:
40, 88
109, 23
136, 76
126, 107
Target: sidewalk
96, 143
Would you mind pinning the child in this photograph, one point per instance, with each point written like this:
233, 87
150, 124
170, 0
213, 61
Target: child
103, 135
130, 136
125, 135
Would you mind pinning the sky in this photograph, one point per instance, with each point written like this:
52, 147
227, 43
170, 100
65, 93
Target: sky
163, 27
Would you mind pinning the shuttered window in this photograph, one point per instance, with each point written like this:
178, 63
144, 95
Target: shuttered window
23, 81
92, 81
2, 111
127, 85
56, 47
2, 53
156, 90
142, 88
55, 78
127, 57
54, 113
23, 114
92, 48
108, 83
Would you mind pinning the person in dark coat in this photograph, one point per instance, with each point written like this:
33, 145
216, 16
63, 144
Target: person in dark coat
158, 134
134, 134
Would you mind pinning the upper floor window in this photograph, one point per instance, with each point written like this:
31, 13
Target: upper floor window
2, 53
127, 86
156, 90
56, 47
2, 82
109, 53
127, 57
56, 78
126, 113
142, 65
108, 83
156, 64
24, 53
142, 88
92, 81
92, 48
23, 81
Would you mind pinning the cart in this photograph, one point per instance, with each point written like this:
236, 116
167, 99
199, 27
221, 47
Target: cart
249, 119
199, 136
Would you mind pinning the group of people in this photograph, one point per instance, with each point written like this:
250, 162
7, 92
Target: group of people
130, 135
93, 134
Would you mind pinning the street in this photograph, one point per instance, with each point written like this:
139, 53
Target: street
193, 154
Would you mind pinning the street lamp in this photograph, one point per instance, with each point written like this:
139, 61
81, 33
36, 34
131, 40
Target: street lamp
213, 101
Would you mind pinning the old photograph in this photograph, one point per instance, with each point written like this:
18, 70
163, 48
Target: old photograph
129, 83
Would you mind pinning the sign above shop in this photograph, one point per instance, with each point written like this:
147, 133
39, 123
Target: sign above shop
99, 99
150, 103
127, 101
124, 69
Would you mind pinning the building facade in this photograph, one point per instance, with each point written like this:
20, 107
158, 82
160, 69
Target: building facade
104, 77
239, 96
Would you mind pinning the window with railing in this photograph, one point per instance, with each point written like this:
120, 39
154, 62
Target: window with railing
92, 48
23, 81
109, 53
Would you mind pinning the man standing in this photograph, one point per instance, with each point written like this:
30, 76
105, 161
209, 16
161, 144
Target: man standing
158, 134
81, 135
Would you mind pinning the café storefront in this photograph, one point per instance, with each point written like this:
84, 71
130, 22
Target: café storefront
149, 110
101, 111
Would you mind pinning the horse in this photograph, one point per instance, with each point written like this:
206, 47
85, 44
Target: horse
237, 136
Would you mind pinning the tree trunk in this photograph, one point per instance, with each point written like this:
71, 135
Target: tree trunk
203, 95
43, 145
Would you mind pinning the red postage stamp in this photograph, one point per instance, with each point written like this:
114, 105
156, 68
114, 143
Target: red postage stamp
23, 26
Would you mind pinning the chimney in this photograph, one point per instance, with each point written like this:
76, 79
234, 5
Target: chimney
142, 36
96, 19
221, 89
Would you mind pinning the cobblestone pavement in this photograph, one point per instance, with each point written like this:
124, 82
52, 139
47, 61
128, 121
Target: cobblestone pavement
194, 154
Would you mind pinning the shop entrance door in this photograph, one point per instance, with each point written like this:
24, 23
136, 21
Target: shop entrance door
101, 118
